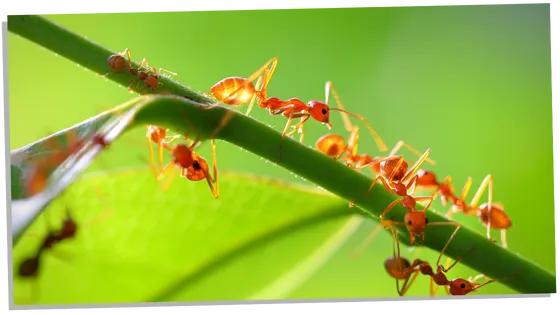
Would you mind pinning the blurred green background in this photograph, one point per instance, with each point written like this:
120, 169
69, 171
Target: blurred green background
473, 83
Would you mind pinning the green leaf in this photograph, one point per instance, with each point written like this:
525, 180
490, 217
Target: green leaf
186, 245
488, 258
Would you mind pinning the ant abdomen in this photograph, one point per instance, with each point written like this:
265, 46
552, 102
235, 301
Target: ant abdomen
331, 145
387, 167
29, 267
224, 90
496, 216
198, 170
116, 62
396, 266
427, 179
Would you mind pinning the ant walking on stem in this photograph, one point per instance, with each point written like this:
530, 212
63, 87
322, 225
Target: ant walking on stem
191, 165
492, 215
238, 91
117, 63
457, 286
333, 145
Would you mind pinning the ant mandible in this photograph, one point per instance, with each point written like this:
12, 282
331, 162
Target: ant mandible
492, 215
238, 91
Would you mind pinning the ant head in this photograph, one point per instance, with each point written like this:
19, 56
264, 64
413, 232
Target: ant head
426, 178
320, 112
183, 156
331, 145
461, 287
416, 221
198, 170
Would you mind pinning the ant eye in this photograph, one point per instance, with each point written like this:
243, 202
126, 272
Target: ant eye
324, 111
196, 165
409, 222
463, 285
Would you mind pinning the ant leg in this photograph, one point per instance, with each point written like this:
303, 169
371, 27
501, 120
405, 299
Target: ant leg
389, 207
474, 279
143, 62
407, 284
462, 197
430, 199
166, 170
282, 139
127, 52
160, 70
448, 241
478, 286
353, 141
152, 159
209, 179
401, 143
257, 88
486, 182
267, 67
169, 180
299, 126
504, 242
433, 289
416, 165
383, 181
329, 88
292, 116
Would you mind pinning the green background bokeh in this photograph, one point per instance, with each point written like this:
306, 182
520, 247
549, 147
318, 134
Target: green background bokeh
473, 83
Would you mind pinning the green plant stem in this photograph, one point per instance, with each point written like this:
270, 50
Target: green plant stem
488, 258
88, 54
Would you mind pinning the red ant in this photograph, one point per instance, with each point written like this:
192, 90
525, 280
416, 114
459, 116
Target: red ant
396, 178
333, 145
237, 91
117, 63
192, 166
428, 179
457, 286
492, 215
396, 265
